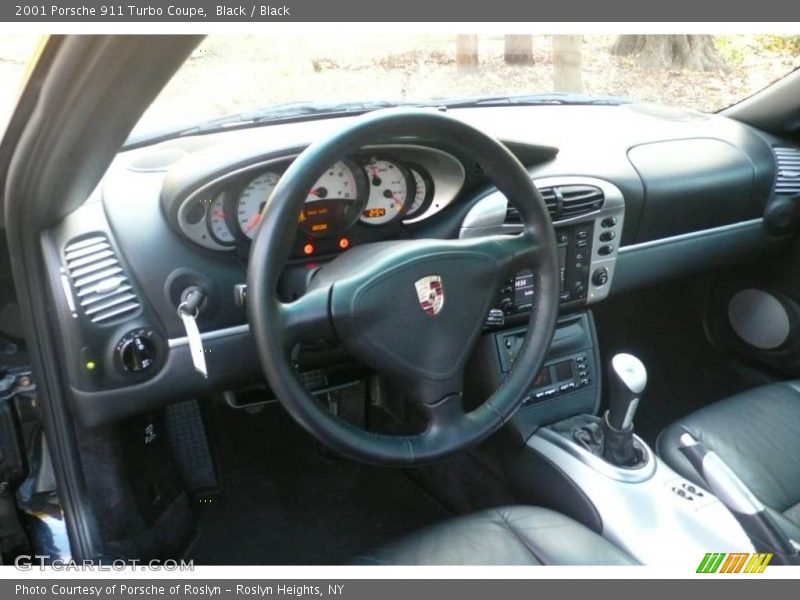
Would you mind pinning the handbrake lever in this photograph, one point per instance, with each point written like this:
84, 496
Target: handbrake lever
737, 497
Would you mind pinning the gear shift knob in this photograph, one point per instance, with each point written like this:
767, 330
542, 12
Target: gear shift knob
627, 380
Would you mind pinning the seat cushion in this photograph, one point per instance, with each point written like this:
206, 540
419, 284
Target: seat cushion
757, 433
514, 535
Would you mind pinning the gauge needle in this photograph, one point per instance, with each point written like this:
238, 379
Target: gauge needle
218, 213
254, 220
315, 193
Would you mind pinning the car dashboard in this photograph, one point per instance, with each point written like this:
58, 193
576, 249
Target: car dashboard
636, 195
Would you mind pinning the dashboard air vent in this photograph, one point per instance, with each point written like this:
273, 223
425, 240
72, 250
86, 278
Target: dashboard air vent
579, 199
564, 202
788, 162
102, 290
549, 195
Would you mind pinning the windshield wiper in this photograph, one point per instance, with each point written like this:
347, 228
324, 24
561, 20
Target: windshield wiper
553, 98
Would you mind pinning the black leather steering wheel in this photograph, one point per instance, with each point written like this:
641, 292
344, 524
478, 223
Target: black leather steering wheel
367, 298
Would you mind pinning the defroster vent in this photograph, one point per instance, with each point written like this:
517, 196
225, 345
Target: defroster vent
102, 290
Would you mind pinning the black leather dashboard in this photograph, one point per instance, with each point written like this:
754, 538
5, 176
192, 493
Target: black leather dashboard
680, 174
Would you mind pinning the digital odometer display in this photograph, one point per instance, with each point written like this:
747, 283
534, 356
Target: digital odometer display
374, 213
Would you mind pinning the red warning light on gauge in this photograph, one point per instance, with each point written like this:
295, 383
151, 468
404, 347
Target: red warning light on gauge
308, 249
344, 243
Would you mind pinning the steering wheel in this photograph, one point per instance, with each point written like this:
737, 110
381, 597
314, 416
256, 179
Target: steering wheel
412, 310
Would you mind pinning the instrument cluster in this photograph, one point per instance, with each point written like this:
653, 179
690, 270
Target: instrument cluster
374, 190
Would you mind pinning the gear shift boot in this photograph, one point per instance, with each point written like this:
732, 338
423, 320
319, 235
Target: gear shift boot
619, 447
589, 433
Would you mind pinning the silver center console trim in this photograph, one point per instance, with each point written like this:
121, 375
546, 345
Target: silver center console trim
488, 217
658, 520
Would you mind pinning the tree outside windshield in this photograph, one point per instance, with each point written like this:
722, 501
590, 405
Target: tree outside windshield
229, 74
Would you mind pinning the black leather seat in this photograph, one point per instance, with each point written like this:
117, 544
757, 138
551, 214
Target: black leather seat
757, 433
514, 535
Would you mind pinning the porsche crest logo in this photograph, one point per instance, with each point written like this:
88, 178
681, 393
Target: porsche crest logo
431, 294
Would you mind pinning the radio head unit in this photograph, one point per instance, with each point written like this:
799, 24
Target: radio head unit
574, 256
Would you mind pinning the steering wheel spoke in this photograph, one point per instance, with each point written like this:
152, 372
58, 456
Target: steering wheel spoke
446, 415
306, 318
510, 253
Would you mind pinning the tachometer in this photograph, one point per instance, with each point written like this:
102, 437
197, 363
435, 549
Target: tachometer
218, 221
335, 201
252, 200
390, 189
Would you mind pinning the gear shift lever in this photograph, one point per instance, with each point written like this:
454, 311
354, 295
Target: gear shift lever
627, 378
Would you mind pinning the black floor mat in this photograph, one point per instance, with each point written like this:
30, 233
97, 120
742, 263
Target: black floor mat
284, 503
663, 326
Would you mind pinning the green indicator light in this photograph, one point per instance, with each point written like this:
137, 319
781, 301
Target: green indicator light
91, 365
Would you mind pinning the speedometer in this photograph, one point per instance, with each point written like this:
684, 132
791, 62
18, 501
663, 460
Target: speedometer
334, 202
391, 188
252, 200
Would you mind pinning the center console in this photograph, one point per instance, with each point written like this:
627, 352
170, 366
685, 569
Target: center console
567, 384
592, 468
620, 487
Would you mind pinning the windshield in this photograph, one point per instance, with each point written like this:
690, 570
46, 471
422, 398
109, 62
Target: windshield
16, 52
238, 73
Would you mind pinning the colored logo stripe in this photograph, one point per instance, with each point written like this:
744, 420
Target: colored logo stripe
734, 562
758, 563
711, 562
722, 562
